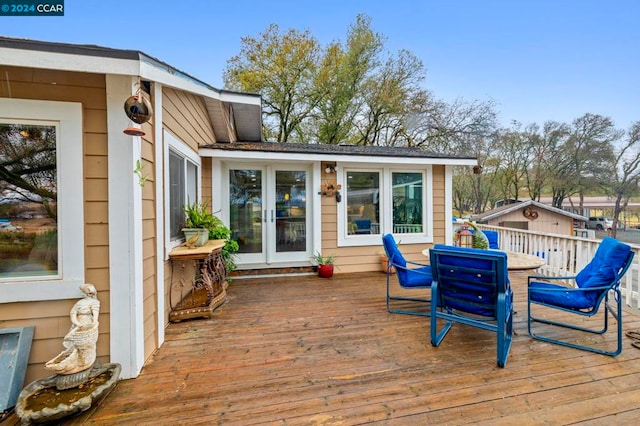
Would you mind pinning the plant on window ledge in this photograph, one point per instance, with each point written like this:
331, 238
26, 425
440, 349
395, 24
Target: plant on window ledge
197, 224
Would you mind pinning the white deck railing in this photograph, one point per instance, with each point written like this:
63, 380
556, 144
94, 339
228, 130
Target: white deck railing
566, 256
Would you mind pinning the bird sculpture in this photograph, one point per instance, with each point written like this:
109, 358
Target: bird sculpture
480, 240
191, 241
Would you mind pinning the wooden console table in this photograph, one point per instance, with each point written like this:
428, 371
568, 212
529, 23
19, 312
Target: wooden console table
203, 288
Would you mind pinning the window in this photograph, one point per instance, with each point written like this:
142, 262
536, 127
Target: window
41, 200
384, 201
28, 200
408, 202
363, 206
183, 188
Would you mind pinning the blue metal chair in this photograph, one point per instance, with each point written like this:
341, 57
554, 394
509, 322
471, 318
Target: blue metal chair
593, 285
408, 278
471, 286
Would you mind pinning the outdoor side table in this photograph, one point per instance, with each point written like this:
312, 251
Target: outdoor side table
202, 281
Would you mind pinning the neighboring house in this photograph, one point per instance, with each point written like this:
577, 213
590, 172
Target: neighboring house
532, 216
283, 202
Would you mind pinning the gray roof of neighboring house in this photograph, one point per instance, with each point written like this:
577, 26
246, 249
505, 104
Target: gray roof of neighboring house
343, 149
501, 211
247, 115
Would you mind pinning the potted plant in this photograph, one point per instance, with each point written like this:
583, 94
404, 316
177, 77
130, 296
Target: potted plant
219, 231
325, 265
197, 224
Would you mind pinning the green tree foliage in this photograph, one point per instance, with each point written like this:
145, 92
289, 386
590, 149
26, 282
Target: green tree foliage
343, 73
355, 92
282, 68
359, 93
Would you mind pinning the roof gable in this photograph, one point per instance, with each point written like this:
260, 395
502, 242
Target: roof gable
501, 211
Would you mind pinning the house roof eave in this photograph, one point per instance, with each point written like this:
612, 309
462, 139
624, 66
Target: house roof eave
327, 152
102, 60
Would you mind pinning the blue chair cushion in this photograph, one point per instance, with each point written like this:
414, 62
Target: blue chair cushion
362, 226
611, 254
492, 236
575, 300
393, 253
418, 277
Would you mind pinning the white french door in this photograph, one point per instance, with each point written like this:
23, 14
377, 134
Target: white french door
268, 212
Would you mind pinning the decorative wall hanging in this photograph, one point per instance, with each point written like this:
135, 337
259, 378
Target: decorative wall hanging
139, 110
530, 214
331, 189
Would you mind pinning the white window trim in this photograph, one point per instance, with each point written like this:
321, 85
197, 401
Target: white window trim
175, 144
68, 115
386, 211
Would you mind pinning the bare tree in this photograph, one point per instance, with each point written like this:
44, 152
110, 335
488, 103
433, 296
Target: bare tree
626, 176
543, 147
387, 95
585, 159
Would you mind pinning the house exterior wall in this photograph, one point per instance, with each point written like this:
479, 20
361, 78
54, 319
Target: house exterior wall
51, 318
185, 116
367, 258
149, 239
547, 221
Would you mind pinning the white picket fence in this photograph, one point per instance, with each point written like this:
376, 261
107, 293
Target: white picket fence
566, 256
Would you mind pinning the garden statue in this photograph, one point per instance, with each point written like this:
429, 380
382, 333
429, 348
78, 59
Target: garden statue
80, 341
79, 381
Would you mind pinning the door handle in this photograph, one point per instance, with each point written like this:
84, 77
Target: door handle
264, 217
271, 215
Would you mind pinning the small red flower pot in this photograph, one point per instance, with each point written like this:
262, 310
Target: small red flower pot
325, 271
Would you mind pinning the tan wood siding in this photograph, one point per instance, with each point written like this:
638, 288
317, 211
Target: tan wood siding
207, 190
51, 318
149, 239
441, 219
185, 115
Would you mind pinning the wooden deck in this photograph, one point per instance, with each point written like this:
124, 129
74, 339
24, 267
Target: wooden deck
310, 351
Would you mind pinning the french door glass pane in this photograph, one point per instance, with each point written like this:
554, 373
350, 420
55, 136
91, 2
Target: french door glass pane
291, 211
407, 203
245, 209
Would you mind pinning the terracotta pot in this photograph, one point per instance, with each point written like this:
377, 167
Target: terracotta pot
325, 271
384, 263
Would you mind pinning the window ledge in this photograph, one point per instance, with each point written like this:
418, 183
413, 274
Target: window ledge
40, 291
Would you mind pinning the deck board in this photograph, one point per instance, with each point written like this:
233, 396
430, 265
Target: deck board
304, 350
